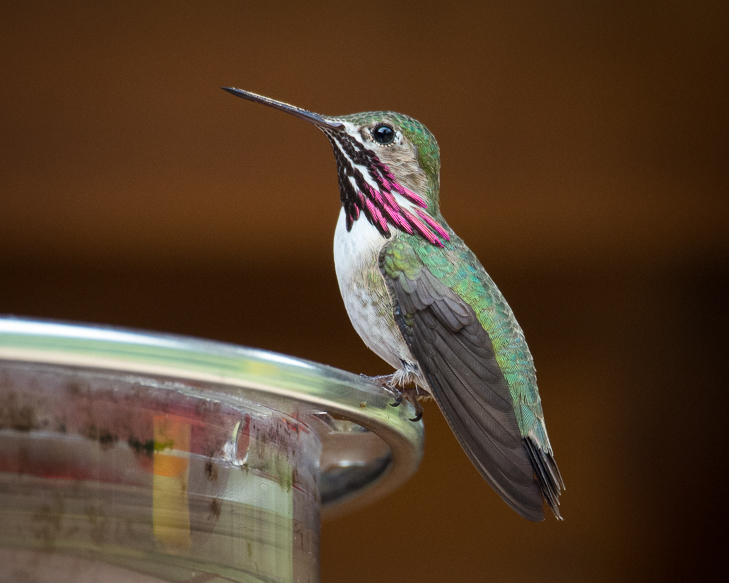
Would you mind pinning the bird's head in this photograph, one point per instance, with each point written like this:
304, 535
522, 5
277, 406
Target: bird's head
388, 165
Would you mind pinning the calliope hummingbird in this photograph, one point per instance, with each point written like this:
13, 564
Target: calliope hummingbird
421, 300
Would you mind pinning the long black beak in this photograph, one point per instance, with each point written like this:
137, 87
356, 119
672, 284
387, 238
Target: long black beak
315, 118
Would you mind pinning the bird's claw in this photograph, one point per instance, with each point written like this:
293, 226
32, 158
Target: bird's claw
398, 400
410, 395
418, 406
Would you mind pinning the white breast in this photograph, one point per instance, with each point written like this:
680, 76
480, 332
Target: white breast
365, 295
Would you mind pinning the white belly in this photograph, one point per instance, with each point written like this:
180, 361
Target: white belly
365, 294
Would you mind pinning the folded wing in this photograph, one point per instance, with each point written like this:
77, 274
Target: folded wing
456, 357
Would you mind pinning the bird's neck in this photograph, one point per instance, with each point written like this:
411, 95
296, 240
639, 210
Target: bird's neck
370, 190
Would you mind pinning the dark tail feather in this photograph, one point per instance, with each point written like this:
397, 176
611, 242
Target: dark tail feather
550, 480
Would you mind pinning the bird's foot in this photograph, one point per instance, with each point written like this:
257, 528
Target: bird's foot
411, 395
393, 382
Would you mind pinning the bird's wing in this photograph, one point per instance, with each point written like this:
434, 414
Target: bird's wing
457, 358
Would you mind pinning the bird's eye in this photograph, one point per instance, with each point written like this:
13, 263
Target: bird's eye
383, 134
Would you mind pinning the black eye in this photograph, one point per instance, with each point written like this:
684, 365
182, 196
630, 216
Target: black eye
383, 134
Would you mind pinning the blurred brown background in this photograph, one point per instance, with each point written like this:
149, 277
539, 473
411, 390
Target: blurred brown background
585, 161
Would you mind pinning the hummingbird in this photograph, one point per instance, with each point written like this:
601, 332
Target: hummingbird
421, 300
